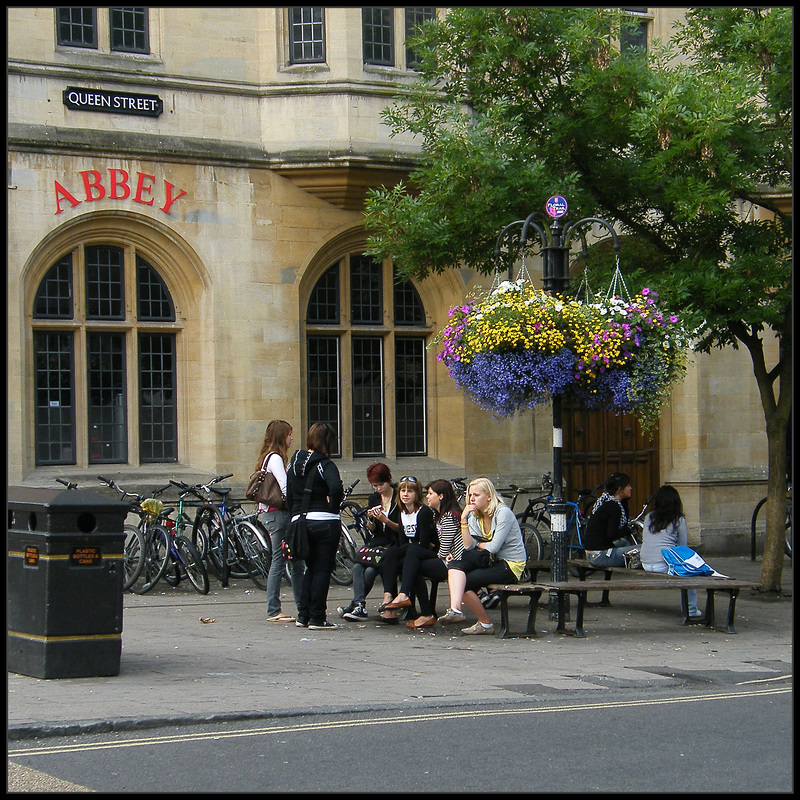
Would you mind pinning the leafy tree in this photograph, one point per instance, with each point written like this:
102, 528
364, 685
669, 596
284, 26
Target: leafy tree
675, 147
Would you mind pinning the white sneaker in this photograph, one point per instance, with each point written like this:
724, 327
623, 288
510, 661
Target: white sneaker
451, 617
478, 630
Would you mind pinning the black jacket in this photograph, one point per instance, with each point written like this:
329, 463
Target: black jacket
326, 490
383, 535
426, 535
604, 527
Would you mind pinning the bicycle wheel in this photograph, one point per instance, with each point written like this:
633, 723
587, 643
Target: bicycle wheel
238, 568
533, 548
256, 551
345, 557
156, 559
574, 548
191, 564
208, 528
541, 521
172, 574
133, 556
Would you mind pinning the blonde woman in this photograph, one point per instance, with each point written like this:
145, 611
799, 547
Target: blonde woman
494, 552
277, 441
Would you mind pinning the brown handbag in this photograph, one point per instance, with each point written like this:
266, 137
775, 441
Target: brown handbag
262, 487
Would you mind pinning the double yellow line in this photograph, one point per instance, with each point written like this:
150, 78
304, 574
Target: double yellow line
427, 716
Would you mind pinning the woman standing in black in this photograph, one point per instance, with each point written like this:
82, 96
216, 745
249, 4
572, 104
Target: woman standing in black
324, 523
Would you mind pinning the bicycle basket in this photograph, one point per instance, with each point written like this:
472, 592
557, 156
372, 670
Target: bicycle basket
153, 508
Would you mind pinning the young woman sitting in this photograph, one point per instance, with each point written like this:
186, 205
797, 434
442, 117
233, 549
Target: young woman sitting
422, 562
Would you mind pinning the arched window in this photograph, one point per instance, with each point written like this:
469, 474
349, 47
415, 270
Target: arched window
104, 350
365, 350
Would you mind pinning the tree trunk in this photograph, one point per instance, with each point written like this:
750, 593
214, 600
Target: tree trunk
772, 562
776, 414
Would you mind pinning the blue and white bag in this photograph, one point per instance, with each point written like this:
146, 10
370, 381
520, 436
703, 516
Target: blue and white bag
685, 563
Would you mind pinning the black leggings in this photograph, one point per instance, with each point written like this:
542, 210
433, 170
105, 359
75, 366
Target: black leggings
477, 577
421, 563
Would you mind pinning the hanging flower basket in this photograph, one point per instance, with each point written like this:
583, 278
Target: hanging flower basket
517, 347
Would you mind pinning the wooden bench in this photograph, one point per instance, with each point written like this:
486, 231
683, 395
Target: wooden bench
642, 582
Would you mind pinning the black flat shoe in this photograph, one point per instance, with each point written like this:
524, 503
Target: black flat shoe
386, 620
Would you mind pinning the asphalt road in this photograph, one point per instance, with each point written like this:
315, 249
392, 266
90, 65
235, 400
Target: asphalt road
735, 739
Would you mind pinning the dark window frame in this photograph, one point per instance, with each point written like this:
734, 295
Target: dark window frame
377, 36
107, 372
129, 29
67, 23
309, 22
414, 17
341, 334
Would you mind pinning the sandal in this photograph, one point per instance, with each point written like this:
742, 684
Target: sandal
280, 617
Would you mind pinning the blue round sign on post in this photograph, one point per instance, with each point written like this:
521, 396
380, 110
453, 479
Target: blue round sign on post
556, 206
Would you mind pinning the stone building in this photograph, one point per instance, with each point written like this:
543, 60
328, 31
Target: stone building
186, 262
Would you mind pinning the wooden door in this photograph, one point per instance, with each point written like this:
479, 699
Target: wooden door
598, 443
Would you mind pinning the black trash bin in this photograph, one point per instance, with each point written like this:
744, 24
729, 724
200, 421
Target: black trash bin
65, 576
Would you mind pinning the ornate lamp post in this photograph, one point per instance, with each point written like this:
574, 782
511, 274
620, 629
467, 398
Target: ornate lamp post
554, 246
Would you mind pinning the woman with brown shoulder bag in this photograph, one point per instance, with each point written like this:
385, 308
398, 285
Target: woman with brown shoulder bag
275, 518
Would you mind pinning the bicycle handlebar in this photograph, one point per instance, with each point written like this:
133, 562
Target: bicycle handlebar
68, 484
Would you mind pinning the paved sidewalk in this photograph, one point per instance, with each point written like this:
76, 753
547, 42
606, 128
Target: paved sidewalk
188, 657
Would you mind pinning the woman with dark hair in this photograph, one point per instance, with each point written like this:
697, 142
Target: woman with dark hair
605, 538
277, 440
383, 521
416, 527
324, 522
665, 526
422, 562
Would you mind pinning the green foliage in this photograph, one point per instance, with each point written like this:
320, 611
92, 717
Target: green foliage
673, 147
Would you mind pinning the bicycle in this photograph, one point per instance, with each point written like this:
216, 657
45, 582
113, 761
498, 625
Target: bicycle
153, 542
758, 524
233, 545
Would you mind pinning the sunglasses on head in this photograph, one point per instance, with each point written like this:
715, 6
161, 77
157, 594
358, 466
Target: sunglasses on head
409, 478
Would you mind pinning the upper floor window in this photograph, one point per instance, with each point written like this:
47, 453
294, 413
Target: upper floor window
77, 27
634, 39
104, 361
379, 33
128, 28
378, 36
366, 365
306, 35
414, 18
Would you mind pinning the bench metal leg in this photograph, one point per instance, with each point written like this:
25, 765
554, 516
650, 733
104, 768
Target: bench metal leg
563, 612
732, 594
604, 600
533, 605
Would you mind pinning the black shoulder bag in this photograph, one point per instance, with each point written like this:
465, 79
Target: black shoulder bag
295, 542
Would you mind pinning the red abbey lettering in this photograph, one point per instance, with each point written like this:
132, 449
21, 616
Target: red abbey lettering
115, 183
63, 194
96, 184
141, 188
170, 199
118, 187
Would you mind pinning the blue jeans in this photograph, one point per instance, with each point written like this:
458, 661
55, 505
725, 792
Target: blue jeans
363, 581
323, 536
615, 558
276, 523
